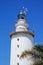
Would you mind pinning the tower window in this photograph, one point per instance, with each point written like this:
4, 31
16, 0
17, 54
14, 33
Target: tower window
18, 55
22, 17
18, 39
17, 63
18, 46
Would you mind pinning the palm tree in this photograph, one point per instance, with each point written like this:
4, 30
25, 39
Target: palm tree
37, 54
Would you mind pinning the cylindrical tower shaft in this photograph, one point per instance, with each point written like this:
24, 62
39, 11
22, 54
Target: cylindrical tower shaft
21, 41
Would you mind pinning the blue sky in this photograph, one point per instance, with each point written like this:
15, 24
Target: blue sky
9, 10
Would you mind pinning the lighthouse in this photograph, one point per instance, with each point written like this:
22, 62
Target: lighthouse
21, 40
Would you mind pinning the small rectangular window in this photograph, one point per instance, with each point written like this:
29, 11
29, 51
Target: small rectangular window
18, 39
17, 63
18, 55
18, 46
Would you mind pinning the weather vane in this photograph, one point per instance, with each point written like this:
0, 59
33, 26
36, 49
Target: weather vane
24, 10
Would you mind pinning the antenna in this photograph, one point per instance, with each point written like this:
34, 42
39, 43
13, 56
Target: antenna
25, 11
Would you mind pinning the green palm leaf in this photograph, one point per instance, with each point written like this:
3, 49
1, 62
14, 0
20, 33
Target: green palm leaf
36, 53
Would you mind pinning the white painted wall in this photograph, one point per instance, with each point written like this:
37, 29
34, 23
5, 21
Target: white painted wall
21, 28
25, 43
21, 25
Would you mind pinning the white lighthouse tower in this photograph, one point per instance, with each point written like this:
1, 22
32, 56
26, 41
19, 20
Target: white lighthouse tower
21, 40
